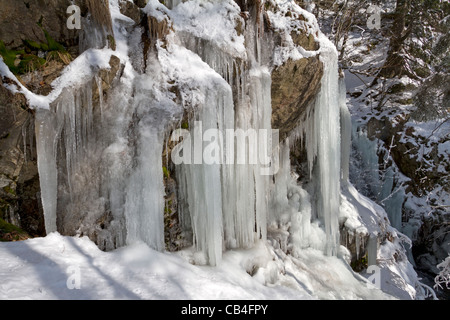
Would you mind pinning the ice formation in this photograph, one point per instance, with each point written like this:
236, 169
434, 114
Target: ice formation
100, 155
225, 84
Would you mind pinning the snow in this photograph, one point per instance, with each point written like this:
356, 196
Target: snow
298, 20
213, 21
46, 269
75, 74
443, 278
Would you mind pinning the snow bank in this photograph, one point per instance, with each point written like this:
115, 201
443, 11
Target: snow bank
45, 269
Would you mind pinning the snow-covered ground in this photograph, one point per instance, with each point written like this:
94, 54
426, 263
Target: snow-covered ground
71, 268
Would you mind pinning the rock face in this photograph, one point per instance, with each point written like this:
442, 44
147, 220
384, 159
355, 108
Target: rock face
19, 179
19, 21
38, 36
37, 20
295, 85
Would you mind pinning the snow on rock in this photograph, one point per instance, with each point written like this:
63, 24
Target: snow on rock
287, 17
75, 74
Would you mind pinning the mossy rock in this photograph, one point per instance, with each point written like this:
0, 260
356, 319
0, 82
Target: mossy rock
27, 59
20, 62
422, 72
33, 45
10, 190
405, 102
360, 264
166, 172
9, 232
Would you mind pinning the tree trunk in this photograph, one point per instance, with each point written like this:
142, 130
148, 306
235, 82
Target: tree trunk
395, 64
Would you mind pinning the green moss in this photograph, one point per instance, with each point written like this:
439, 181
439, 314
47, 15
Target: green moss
360, 264
7, 227
111, 42
30, 62
18, 61
10, 57
166, 172
23, 61
9, 190
52, 44
33, 45
14, 233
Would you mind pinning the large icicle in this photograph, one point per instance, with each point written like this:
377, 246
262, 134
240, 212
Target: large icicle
346, 132
327, 131
48, 172
200, 176
320, 133
227, 204
144, 204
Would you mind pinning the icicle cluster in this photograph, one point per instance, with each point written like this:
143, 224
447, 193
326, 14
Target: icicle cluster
225, 204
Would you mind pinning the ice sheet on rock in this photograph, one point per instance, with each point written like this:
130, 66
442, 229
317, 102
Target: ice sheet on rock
221, 210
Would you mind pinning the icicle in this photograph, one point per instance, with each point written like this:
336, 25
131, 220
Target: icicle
320, 134
45, 143
382, 187
98, 81
372, 250
144, 205
227, 204
172, 3
31, 137
346, 132
327, 137
358, 245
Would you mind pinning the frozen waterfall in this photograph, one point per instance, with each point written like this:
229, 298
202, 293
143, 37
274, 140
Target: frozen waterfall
100, 154
320, 133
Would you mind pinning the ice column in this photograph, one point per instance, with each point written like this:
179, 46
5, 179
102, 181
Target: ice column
322, 138
144, 204
48, 174
203, 182
346, 132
